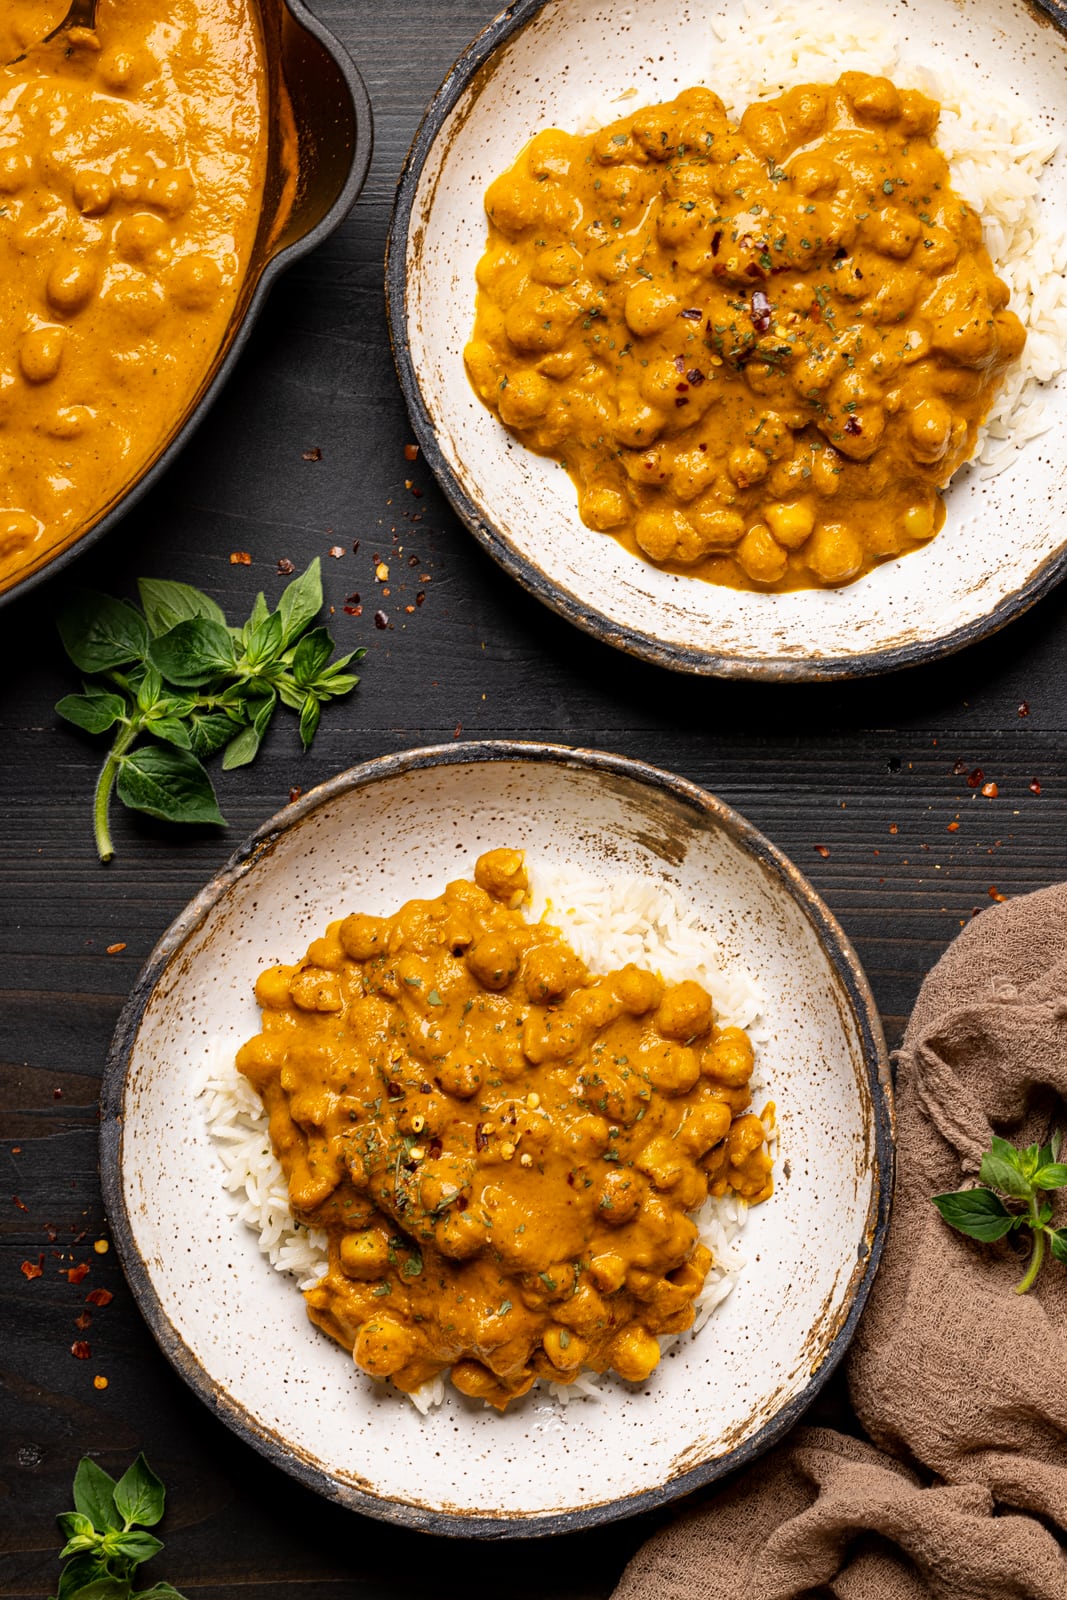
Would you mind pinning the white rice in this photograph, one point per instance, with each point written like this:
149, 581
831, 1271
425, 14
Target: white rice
995, 148
638, 919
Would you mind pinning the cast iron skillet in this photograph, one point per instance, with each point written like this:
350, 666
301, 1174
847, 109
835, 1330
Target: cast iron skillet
320, 140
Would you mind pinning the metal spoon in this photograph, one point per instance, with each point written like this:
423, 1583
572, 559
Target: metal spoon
81, 14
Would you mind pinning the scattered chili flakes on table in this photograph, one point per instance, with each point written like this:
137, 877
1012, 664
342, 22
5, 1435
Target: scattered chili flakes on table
337, 551
959, 767
411, 452
80, 1350
295, 793
1034, 786
31, 1269
314, 454
990, 791
99, 1297
21, 1204
79, 1273
995, 894
99, 1382
822, 850
953, 827
240, 558
893, 828
975, 778
83, 1320
113, 949
380, 619
1024, 708
285, 567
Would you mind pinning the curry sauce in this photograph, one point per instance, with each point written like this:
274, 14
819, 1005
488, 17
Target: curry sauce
501, 1146
132, 167
758, 349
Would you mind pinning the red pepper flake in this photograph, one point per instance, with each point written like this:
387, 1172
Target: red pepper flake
822, 850
79, 1273
113, 949
458, 730
30, 1269
99, 1297
80, 1350
314, 454
959, 767
413, 561
16, 1149
762, 312
990, 791
57, 1094
294, 793
285, 567
716, 241
1034, 786
695, 377
975, 778
953, 827
481, 1137
417, 493
337, 551
815, 313
995, 894
682, 400
380, 619
411, 452
240, 558
893, 828
352, 599
353, 611
409, 610
355, 546
83, 1320
420, 597
1024, 708
853, 425
19, 1203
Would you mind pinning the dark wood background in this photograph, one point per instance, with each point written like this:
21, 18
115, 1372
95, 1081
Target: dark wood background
870, 771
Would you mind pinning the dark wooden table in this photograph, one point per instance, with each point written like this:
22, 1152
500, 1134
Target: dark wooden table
870, 772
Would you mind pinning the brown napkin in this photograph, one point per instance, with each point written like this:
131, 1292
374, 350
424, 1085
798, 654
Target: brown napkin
961, 1383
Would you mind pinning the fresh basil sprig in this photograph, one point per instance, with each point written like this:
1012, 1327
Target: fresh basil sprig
177, 674
104, 1533
1024, 1177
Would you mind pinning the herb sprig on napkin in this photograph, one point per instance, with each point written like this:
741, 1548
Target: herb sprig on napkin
177, 683
1018, 1184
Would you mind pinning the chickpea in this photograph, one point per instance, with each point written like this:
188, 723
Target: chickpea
364, 937
834, 554
814, 175
747, 466
460, 1077
93, 192
16, 170
72, 283
549, 971
790, 524
693, 472
661, 1162
364, 1255
139, 236
563, 1348
608, 1272
919, 522
930, 427
382, 1347
634, 1354
17, 532
707, 1123
650, 308
763, 127
494, 960
459, 1234
551, 1036
70, 422
195, 282
272, 988
761, 556
140, 304
668, 536
314, 990
729, 1058
875, 99
524, 399
41, 353
637, 423
170, 191
604, 509
639, 991
685, 1011
672, 1068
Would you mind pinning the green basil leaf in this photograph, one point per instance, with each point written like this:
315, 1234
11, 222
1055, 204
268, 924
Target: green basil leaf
75, 1525
309, 719
166, 604
94, 1495
334, 688
264, 640
172, 729
137, 1546
301, 602
99, 633
193, 652
1053, 1176
290, 693
1006, 1151
96, 1583
149, 689
1001, 1174
1030, 1160
260, 613
139, 1497
158, 1591
1057, 1238
78, 1574
1044, 1214
311, 655
96, 710
978, 1213
210, 730
80, 1545
1054, 1147
242, 749
167, 783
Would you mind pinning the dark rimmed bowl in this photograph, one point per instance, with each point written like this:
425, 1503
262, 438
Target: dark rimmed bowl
545, 63
237, 1332
320, 133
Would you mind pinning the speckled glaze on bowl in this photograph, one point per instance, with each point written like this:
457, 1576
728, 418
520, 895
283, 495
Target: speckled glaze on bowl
237, 1331
540, 64
320, 139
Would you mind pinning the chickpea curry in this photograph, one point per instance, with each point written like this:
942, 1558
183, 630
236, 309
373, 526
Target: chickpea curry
501, 1147
132, 165
759, 350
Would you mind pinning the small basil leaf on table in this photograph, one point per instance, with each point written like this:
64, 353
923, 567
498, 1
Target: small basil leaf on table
135, 1546
94, 1495
140, 1496
86, 1577
169, 784
181, 674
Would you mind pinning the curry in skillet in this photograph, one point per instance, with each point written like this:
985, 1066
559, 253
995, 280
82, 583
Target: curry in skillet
131, 174
759, 350
501, 1147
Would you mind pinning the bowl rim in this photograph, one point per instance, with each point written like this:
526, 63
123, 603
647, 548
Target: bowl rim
258, 847
646, 646
362, 151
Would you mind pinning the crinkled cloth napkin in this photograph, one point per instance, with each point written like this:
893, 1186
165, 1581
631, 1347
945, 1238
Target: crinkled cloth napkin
960, 1383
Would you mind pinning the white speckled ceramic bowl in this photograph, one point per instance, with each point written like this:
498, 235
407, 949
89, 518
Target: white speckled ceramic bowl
538, 65
237, 1330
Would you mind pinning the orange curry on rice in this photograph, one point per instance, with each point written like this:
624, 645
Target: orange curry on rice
132, 165
502, 1147
758, 349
